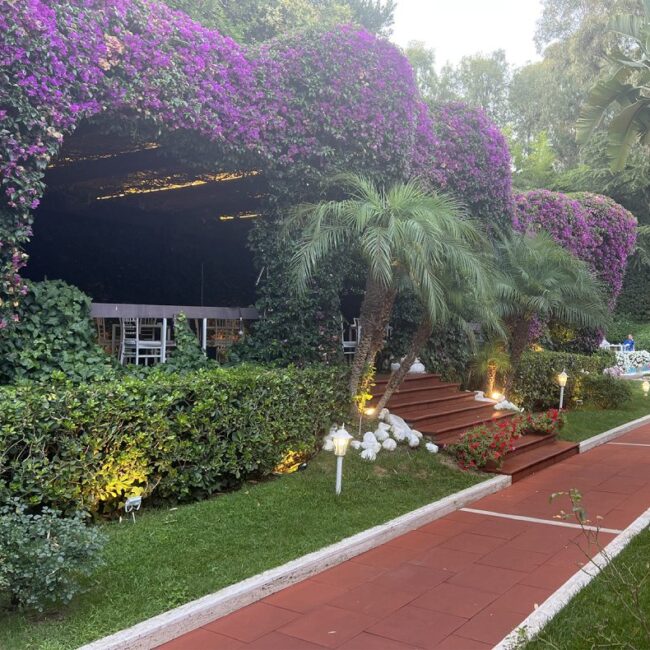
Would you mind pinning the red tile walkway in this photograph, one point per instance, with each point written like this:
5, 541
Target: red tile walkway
463, 581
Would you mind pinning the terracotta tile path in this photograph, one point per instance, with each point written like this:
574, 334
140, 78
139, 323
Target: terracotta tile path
463, 581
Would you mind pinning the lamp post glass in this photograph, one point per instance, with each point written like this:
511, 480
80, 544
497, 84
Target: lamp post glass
646, 387
561, 380
341, 440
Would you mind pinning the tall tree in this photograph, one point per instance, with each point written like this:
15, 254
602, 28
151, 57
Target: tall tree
478, 80
423, 60
407, 237
624, 93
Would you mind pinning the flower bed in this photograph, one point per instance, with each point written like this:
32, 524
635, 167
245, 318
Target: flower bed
487, 444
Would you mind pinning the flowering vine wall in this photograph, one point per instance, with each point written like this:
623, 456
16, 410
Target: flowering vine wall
299, 107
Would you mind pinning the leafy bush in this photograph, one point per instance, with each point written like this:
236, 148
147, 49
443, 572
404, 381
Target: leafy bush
603, 391
43, 556
535, 382
488, 444
54, 333
169, 436
188, 354
621, 326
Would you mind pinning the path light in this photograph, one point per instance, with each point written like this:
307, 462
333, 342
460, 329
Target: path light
561, 380
496, 395
369, 412
646, 387
132, 504
341, 440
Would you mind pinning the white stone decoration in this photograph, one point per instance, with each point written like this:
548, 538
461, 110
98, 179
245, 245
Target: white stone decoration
432, 448
505, 405
417, 368
389, 444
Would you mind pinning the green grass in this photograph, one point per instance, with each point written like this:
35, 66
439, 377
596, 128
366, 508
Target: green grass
171, 556
584, 423
596, 617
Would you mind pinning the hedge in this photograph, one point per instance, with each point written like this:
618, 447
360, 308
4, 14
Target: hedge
169, 437
535, 383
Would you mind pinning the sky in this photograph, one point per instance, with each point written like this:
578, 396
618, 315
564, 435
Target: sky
455, 28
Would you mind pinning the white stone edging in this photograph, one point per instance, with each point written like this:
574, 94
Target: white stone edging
576, 583
172, 624
606, 436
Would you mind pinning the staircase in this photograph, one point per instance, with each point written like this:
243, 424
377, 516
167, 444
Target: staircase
442, 412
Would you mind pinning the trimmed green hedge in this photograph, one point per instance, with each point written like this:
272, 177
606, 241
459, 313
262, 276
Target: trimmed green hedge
169, 437
535, 383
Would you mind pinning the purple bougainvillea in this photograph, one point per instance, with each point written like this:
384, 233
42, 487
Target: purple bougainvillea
466, 154
319, 102
594, 228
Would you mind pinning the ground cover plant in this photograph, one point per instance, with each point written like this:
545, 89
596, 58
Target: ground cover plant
202, 547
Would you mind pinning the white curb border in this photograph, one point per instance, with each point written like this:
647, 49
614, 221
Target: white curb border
188, 617
606, 436
576, 583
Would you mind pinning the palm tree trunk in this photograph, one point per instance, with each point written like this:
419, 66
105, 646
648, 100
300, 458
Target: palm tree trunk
491, 378
418, 341
371, 310
517, 347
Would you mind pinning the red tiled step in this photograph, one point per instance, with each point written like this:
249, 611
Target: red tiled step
409, 380
533, 460
461, 423
419, 394
530, 441
443, 415
433, 405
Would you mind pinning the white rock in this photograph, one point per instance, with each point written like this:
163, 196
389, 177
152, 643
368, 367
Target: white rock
413, 441
381, 435
416, 433
383, 414
400, 434
505, 405
369, 438
431, 447
355, 444
397, 422
369, 455
389, 444
328, 444
394, 367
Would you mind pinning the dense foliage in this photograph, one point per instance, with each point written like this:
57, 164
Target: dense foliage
471, 160
169, 437
603, 391
44, 556
53, 334
535, 382
594, 228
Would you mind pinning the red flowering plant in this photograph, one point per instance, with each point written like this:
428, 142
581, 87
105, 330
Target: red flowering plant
487, 444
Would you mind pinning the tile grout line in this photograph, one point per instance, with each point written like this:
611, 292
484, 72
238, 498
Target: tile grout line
536, 520
536, 621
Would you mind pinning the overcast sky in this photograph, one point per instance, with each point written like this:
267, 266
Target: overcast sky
454, 28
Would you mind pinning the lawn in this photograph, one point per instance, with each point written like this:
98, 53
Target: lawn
596, 618
585, 423
171, 556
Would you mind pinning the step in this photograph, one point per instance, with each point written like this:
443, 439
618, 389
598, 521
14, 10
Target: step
453, 412
536, 459
530, 441
382, 380
414, 394
432, 405
428, 381
461, 424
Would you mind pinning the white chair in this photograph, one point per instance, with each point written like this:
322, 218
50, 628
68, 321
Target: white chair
133, 347
350, 336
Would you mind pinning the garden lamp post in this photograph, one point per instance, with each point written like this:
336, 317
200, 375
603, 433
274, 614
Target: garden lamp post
341, 440
646, 387
561, 380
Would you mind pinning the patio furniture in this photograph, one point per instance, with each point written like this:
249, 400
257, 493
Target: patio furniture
350, 336
136, 347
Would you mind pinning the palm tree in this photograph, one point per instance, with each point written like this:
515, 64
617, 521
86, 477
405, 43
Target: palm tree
407, 237
540, 279
625, 92
490, 361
